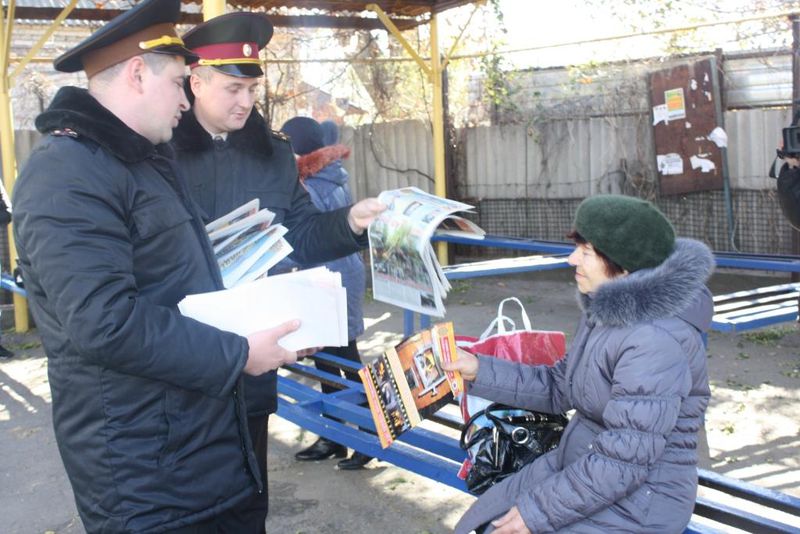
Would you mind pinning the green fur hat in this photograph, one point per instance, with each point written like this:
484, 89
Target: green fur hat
632, 232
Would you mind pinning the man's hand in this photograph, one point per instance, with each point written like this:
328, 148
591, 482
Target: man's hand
466, 364
363, 212
511, 523
265, 354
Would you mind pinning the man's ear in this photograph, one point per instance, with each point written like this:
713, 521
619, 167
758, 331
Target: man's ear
134, 73
195, 83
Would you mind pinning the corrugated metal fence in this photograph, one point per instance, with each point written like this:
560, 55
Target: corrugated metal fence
527, 180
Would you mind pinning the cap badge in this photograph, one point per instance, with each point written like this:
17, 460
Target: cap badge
247, 50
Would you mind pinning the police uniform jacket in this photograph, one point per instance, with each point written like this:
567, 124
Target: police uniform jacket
255, 162
147, 406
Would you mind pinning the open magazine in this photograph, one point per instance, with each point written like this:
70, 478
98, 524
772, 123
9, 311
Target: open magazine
407, 384
405, 271
246, 243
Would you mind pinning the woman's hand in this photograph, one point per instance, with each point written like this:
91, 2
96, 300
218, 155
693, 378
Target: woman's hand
466, 364
511, 523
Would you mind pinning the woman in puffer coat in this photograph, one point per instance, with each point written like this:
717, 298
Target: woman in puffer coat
635, 375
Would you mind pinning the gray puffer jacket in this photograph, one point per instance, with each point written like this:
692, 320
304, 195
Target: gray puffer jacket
636, 376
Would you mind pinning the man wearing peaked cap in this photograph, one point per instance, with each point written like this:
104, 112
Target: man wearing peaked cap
145, 401
229, 155
146, 27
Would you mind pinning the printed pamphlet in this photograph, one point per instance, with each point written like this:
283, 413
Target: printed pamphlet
407, 383
246, 243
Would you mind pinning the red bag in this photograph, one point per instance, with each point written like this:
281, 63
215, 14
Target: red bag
528, 346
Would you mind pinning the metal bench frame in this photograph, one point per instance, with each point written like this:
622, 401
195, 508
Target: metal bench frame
436, 455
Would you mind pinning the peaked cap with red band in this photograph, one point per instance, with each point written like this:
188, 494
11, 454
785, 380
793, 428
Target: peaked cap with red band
230, 43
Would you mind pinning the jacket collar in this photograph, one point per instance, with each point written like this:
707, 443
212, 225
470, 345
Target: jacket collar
312, 163
254, 137
74, 109
668, 290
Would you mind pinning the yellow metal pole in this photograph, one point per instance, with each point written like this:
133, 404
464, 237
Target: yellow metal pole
42, 40
213, 8
440, 188
399, 36
9, 161
9, 28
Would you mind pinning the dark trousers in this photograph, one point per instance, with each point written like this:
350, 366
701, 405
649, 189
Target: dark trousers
249, 516
350, 352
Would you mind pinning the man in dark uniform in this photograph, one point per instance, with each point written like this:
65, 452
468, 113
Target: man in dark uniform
229, 156
147, 404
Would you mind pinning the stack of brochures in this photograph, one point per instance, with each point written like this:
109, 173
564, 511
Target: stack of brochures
405, 271
314, 296
407, 383
246, 243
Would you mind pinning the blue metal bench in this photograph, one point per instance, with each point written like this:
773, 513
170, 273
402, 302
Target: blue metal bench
755, 308
7, 282
433, 451
733, 312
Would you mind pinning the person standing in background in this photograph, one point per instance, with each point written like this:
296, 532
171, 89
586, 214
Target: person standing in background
321, 171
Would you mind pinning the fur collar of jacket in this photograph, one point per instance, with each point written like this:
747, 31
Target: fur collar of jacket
314, 162
76, 113
650, 294
254, 137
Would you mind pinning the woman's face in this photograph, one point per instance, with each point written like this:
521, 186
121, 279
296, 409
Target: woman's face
590, 269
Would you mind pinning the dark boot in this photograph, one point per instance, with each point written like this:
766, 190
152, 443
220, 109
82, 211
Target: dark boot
5, 354
356, 461
322, 449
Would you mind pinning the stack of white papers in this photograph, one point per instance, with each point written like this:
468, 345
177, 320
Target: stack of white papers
247, 244
315, 297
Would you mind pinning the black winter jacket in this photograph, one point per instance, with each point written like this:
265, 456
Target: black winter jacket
255, 162
146, 404
789, 194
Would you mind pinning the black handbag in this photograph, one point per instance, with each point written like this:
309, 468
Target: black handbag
500, 440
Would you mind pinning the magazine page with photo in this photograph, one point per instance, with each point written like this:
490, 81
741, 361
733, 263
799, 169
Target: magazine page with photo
405, 270
407, 383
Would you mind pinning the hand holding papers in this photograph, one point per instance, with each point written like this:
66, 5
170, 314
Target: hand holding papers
405, 271
315, 297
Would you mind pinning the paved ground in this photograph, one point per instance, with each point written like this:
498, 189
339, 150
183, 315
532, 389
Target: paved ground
753, 428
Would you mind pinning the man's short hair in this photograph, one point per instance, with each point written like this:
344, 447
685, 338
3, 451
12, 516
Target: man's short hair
204, 72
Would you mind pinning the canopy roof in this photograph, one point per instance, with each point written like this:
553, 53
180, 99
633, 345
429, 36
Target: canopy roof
342, 14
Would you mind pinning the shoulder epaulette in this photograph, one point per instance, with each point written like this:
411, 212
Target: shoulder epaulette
65, 132
280, 135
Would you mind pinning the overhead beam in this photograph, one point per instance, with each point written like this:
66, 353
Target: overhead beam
283, 21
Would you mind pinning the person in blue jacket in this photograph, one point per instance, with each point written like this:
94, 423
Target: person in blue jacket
635, 375
320, 169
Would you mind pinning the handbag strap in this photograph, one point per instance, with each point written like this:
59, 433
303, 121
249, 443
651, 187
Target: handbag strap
526, 322
499, 323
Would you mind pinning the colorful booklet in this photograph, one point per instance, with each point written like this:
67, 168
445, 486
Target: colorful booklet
407, 383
